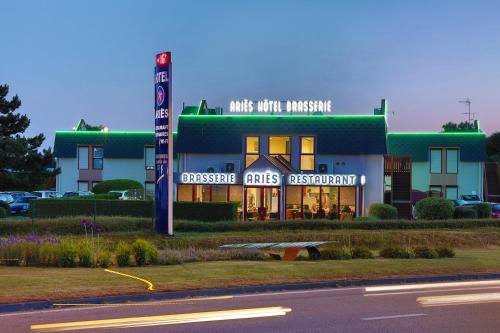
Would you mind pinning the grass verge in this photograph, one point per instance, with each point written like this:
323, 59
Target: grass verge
30, 284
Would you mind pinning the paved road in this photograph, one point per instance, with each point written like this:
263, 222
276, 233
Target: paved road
443, 307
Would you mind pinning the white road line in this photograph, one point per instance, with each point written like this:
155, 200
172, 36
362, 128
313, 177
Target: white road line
296, 292
395, 316
459, 299
433, 285
428, 291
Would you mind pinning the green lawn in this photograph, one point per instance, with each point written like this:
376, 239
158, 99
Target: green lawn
26, 283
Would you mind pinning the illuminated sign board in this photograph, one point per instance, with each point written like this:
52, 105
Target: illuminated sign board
163, 144
261, 178
273, 106
207, 178
324, 180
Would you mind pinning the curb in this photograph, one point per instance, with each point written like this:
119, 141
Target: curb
44, 305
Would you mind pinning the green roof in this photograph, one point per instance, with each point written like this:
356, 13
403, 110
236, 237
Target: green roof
416, 145
116, 144
343, 135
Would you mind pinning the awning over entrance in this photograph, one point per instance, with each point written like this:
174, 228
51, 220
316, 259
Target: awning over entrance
266, 171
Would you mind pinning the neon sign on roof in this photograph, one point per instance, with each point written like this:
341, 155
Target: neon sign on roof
274, 106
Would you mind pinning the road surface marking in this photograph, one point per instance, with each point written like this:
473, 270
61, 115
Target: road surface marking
297, 292
433, 285
148, 283
173, 301
429, 291
395, 316
164, 319
459, 299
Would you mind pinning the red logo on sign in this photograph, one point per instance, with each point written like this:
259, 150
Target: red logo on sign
163, 58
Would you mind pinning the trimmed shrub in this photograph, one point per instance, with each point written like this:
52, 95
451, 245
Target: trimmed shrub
425, 252
206, 211
383, 211
6, 207
395, 252
145, 253
335, 253
3, 212
85, 257
366, 218
361, 253
122, 253
434, 209
51, 208
104, 259
116, 185
68, 254
483, 210
464, 213
171, 257
445, 252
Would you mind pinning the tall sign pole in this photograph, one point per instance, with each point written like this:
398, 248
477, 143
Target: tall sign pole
163, 145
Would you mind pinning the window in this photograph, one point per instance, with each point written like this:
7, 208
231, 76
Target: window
94, 184
83, 157
83, 186
236, 194
184, 192
251, 150
451, 192
219, 193
97, 157
435, 191
280, 146
307, 153
149, 191
435, 160
202, 193
149, 158
451, 160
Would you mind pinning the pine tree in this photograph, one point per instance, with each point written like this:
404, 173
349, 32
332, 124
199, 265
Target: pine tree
22, 165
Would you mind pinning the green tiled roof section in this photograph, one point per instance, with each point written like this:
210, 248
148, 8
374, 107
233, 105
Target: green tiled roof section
416, 145
190, 110
116, 144
348, 135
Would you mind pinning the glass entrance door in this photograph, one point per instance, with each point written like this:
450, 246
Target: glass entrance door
262, 203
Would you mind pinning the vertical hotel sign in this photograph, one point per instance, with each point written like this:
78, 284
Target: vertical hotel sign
163, 144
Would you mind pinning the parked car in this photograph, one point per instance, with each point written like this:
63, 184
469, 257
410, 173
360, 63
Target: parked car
6, 197
458, 203
470, 199
495, 210
77, 194
17, 194
121, 195
46, 194
21, 205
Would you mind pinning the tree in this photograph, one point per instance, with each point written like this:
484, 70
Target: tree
493, 147
463, 126
22, 165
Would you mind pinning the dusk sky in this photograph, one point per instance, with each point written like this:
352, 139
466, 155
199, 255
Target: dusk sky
94, 59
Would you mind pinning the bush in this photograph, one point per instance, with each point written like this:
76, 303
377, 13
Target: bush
145, 253
3, 212
116, 185
335, 253
52, 208
464, 213
171, 257
394, 252
445, 252
483, 210
434, 209
104, 259
5, 206
122, 253
85, 256
425, 252
68, 253
383, 211
206, 211
361, 253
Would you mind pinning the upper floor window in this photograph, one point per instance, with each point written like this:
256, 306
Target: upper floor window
251, 150
83, 157
149, 158
307, 153
280, 146
436, 161
97, 158
451, 160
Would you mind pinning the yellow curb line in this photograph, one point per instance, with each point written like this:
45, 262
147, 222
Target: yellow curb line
148, 283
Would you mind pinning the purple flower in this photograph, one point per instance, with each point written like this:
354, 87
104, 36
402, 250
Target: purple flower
85, 222
99, 230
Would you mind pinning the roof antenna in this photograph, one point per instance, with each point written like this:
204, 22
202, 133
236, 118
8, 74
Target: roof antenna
470, 116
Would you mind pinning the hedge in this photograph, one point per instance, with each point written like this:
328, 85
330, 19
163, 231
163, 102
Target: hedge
463, 212
73, 225
202, 211
116, 185
483, 210
5, 206
383, 211
206, 211
434, 209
